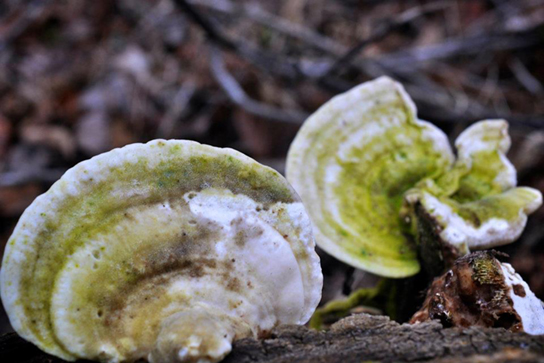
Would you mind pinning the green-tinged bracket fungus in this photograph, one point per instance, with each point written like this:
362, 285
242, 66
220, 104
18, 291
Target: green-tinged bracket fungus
386, 193
166, 252
474, 204
481, 291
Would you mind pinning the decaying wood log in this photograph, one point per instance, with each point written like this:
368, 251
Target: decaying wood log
358, 338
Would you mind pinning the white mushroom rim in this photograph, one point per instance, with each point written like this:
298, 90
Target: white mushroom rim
525, 303
363, 161
165, 251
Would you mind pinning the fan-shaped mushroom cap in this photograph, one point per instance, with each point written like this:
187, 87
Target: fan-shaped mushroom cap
352, 161
476, 204
363, 165
165, 251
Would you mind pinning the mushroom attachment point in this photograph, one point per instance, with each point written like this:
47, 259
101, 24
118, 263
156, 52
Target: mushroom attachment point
481, 291
166, 251
383, 187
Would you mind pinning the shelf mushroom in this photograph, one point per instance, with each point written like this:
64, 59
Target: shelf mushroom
166, 251
475, 204
375, 180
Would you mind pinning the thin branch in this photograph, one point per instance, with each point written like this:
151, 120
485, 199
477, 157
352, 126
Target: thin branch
416, 57
525, 78
209, 28
399, 64
382, 31
178, 106
255, 13
237, 95
294, 69
266, 61
48, 176
31, 12
440, 106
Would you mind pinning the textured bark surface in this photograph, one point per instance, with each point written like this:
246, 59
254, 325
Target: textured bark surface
359, 338
474, 292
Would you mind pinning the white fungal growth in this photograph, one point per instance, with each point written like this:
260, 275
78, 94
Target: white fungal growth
166, 251
484, 209
352, 161
363, 163
493, 232
526, 304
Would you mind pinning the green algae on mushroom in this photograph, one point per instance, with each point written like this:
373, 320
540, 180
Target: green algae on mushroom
379, 299
476, 203
166, 251
382, 186
352, 161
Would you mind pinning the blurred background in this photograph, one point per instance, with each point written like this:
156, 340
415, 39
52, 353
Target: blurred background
78, 78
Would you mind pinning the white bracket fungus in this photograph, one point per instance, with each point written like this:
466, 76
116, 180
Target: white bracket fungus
166, 251
369, 172
475, 203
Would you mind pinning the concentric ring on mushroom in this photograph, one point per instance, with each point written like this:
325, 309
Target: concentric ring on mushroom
166, 251
369, 171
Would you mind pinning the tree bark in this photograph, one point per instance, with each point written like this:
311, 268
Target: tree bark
358, 338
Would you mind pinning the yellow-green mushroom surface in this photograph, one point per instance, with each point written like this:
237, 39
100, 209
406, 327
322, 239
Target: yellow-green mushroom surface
475, 204
166, 251
363, 163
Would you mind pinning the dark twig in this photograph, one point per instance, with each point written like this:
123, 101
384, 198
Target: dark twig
440, 103
237, 95
47, 176
178, 106
30, 13
416, 57
267, 62
382, 31
525, 78
255, 13
209, 28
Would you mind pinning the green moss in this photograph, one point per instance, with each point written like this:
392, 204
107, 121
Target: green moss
486, 269
382, 297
